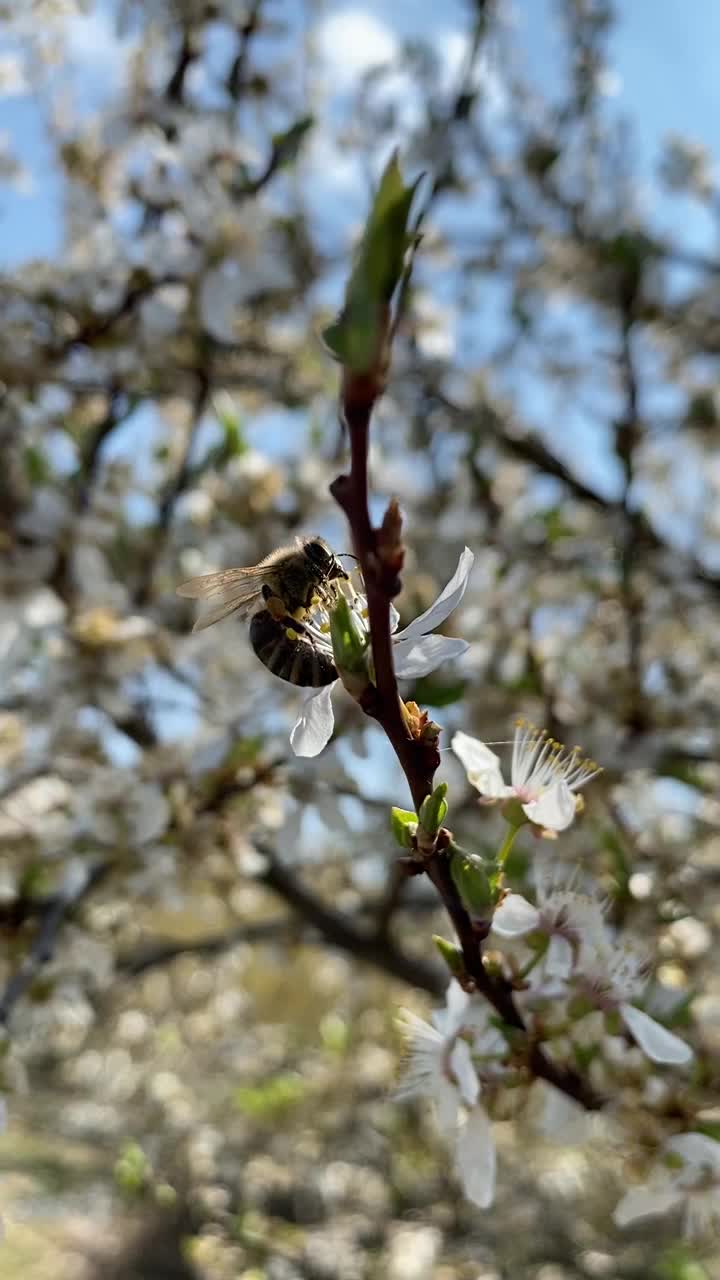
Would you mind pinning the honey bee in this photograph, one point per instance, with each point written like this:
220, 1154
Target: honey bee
290, 581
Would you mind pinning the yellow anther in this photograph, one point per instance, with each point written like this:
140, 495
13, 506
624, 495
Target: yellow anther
291, 634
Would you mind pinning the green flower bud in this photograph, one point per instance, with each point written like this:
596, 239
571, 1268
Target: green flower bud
473, 884
404, 825
433, 810
349, 639
451, 954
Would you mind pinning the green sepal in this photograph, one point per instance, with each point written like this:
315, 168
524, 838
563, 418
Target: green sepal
404, 825
451, 954
349, 638
358, 336
433, 810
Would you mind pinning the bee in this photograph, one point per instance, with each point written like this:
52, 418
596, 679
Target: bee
289, 582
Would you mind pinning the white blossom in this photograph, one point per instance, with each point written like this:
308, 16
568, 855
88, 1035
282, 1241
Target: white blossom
612, 973
689, 1178
440, 1063
416, 653
449, 1061
566, 917
543, 775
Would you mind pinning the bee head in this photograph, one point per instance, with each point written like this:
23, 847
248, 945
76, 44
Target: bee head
323, 559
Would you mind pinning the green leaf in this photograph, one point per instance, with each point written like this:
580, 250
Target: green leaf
471, 879
358, 336
403, 824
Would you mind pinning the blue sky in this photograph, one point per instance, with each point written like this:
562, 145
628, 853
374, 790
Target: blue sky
664, 54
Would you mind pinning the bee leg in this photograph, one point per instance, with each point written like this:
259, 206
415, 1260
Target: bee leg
275, 606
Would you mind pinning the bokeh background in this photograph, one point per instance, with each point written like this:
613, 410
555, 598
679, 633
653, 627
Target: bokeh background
202, 951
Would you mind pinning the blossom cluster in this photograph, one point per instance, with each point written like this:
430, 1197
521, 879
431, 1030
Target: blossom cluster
579, 986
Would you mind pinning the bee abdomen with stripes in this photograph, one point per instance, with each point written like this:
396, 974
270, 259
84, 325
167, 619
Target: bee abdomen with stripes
290, 651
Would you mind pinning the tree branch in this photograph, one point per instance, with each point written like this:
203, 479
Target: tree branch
57, 908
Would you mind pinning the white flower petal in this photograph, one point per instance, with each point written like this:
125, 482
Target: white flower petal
419, 657
556, 1116
457, 1002
313, 729
642, 1202
515, 916
559, 958
657, 1042
449, 599
554, 809
394, 618
480, 763
447, 1100
475, 1158
697, 1149
461, 1065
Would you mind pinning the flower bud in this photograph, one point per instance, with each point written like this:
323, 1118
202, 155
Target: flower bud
350, 647
404, 825
451, 954
433, 810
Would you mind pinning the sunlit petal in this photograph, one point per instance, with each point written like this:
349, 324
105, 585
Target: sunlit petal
475, 1158
461, 1065
481, 765
643, 1202
515, 916
554, 809
313, 729
419, 657
449, 599
656, 1041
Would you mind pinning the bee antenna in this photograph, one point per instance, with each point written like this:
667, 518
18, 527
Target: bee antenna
347, 555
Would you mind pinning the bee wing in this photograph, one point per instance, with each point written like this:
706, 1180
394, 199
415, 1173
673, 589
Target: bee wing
220, 594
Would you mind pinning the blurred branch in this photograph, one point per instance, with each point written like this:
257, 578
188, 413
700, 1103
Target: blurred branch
55, 912
183, 477
627, 439
342, 932
237, 74
187, 54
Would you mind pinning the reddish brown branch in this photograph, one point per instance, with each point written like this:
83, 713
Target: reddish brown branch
380, 554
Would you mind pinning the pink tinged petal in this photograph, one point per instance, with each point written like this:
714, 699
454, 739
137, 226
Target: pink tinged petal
644, 1202
447, 1100
475, 1158
554, 809
515, 916
449, 599
659, 1044
313, 729
461, 1066
481, 765
419, 657
559, 958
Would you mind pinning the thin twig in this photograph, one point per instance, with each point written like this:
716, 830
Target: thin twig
57, 909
